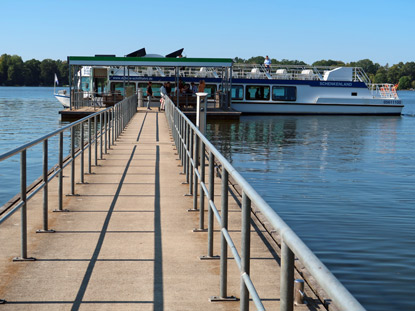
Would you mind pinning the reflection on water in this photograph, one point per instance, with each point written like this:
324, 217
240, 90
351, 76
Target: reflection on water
345, 184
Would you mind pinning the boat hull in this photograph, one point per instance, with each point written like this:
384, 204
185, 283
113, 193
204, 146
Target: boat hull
64, 100
317, 108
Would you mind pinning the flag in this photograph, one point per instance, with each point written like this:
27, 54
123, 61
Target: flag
56, 79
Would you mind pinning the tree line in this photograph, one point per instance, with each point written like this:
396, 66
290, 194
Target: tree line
15, 72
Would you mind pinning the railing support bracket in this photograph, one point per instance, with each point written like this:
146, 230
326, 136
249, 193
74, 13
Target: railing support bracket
45, 231
204, 257
24, 259
219, 299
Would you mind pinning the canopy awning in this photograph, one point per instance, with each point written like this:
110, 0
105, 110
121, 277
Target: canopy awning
148, 61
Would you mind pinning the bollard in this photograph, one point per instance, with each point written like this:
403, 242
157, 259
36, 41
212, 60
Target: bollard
299, 292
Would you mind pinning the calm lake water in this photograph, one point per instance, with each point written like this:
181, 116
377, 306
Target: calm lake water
344, 183
27, 113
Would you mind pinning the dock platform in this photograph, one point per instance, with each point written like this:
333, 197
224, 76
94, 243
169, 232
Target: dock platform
126, 241
76, 114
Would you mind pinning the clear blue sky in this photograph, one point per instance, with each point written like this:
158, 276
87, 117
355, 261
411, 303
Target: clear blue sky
307, 30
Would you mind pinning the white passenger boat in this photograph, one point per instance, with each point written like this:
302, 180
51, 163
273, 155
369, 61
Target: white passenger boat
311, 90
61, 95
253, 88
63, 98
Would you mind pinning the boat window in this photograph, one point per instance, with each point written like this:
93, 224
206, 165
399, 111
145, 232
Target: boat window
154, 86
211, 90
86, 84
237, 92
119, 86
288, 93
257, 92
354, 93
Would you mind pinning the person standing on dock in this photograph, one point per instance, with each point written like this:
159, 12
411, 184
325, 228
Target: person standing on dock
201, 87
149, 95
168, 89
163, 95
194, 88
267, 63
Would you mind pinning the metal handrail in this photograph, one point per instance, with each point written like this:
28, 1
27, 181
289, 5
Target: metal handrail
191, 145
112, 122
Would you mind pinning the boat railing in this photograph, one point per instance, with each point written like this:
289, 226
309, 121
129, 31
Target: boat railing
94, 134
253, 71
290, 72
82, 99
193, 149
383, 90
360, 75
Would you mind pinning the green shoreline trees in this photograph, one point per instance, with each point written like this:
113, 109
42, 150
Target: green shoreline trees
15, 72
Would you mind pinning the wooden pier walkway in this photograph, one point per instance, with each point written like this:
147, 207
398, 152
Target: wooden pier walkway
127, 240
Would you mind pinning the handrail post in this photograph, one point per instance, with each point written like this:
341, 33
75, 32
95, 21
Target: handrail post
287, 277
81, 125
60, 187
246, 251
96, 140
45, 190
109, 128
224, 244
196, 167
202, 192
211, 198
45, 187
113, 125
73, 160
191, 141
101, 136
186, 149
23, 181
105, 132
89, 146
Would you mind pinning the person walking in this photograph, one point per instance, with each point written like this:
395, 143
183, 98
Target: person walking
149, 95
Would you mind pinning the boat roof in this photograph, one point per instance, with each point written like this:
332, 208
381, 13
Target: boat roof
149, 61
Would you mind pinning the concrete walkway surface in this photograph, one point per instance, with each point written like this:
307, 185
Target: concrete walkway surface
127, 241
